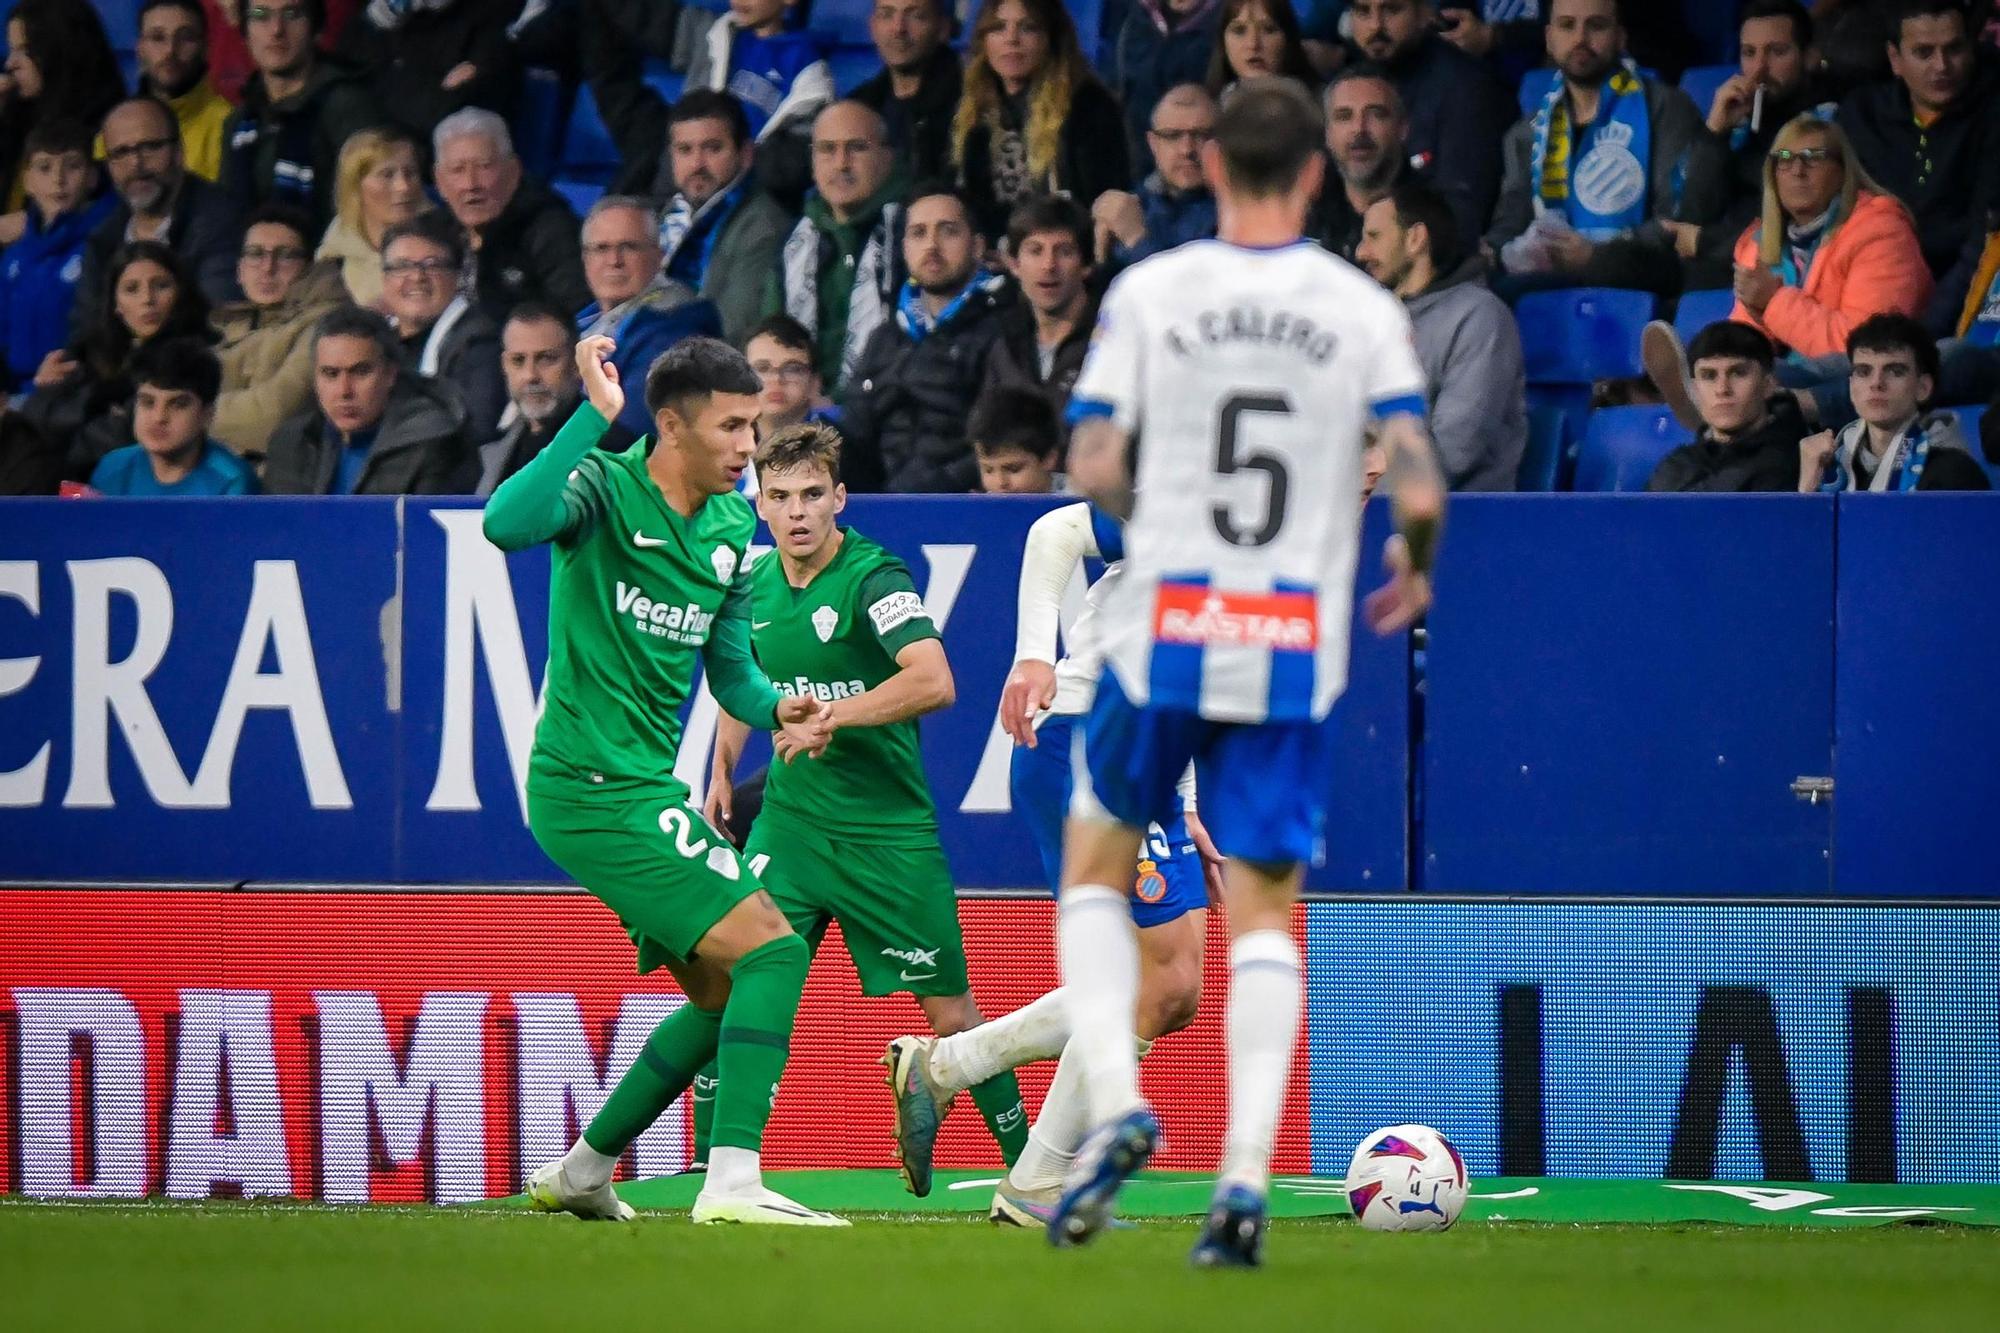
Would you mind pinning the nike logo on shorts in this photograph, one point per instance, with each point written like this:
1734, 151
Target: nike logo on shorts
919, 976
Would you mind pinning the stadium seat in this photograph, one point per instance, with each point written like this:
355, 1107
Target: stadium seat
1622, 446
1541, 462
1089, 16
1968, 426
1579, 334
128, 68
537, 122
121, 22
580, 194
852, 66
1698, 310
588, 153
663, 79
1700, 83
845, 21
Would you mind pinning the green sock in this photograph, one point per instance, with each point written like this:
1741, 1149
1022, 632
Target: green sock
678, 1047
999, 1100
704, 1111
764, 990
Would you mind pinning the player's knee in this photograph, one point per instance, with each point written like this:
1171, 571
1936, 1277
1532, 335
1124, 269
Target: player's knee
1172, 1005
785, 952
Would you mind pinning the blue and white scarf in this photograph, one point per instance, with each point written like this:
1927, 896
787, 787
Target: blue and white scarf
1596, 175
920, 323
683, 223
1900, 468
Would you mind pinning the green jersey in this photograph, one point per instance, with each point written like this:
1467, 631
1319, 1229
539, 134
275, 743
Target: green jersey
636, 591
835, 638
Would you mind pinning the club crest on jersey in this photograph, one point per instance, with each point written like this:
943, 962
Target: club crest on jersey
724, 560
1279, 622
823, 621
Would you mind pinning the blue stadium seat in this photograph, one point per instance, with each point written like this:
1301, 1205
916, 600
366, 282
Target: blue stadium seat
1541, 462
128, 68
588, 152
1698, 310
538, 119
846, 21
663, 79
852, 66
1700, 83
1968, 426
1622, 446
121, 22
1579, 334
580, 194
1090, 17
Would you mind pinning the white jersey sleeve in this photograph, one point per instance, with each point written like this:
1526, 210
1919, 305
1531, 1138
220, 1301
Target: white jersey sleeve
1109, 385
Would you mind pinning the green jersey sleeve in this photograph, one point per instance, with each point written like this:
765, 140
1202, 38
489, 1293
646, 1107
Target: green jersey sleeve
895, 612
734, 677
559, 495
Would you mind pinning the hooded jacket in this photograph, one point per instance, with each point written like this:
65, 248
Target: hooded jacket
267, 360
1766, 459
906, 409
420, 448
1470, 348
1871, 264
290, 149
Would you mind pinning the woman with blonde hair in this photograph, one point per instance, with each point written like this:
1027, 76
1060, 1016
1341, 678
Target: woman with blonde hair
1832, 248
379, 183
1033, 119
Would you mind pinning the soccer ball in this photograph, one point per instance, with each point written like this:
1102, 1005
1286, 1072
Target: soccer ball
1406, 1178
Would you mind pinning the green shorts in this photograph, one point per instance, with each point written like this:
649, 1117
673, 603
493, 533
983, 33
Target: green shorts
651, 859
895, 905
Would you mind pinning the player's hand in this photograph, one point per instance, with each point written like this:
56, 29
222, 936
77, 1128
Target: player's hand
1408, 594
1211, 859
1030, 688
600, 376
805, 725
717, 807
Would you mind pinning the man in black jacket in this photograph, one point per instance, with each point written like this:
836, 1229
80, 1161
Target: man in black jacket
372, 431
1044, 335
1457, 110
525, 240
1931, 134
297, 110
1367, 136
913, 389
159, 199
1750, 431
918, 88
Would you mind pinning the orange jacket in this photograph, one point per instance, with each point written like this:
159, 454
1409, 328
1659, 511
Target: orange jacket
1871, 265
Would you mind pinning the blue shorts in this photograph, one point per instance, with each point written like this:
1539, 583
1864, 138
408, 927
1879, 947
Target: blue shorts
1263, 785
1169, 882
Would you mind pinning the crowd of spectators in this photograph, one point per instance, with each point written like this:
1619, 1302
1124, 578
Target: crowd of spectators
298, 250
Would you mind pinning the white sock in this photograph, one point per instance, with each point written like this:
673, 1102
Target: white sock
1100, 965
1263, 1029
586, 1168
733, 1171
1036, 1031
1057, 1132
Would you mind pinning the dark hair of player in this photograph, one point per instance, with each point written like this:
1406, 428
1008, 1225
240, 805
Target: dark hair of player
1011, 418
1893, 332
807, 444
1416, 203
1727, 340
1048, 212
178, 365
694, 369
784, 331
1268, 132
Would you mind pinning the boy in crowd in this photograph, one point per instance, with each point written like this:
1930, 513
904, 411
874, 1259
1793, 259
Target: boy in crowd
1896, 445
781, 352
178, 380
39, 271
1018, 441
1750, 429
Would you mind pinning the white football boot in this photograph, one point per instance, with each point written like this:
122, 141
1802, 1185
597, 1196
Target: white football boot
549, 1191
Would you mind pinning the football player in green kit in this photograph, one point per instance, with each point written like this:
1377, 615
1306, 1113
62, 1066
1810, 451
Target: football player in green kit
647, 572
852, 836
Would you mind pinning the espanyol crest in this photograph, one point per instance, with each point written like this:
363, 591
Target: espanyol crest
724, 560
1611, 178
824, 621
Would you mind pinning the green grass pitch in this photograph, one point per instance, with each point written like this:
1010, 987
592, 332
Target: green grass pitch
226, 1266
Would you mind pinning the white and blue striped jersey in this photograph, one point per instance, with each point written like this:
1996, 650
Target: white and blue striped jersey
1247, 379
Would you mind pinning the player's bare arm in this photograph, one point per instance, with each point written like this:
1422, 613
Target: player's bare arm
922, 684
1100, 465
1417, 486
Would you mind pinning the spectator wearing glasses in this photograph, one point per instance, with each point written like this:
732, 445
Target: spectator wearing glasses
381, 184
635, 304
780, 350
1172, 205
266, 348
173, 408
284, 140
1895, 445
59, 67
1161, 45
444, 336
160, 200
173, 66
